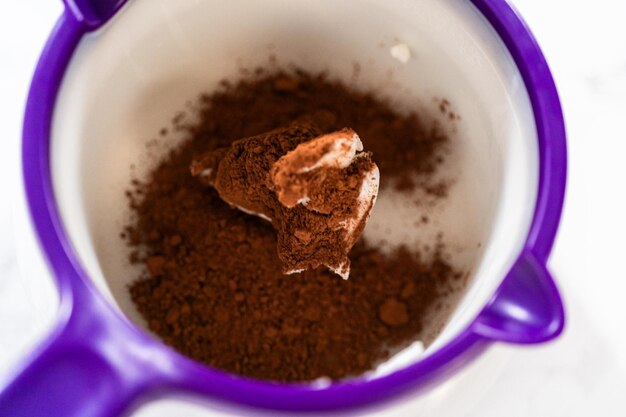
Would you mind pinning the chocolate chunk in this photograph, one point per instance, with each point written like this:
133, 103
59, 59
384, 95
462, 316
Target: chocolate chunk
317, 190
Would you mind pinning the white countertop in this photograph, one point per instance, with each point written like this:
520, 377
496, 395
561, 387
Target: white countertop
584, 371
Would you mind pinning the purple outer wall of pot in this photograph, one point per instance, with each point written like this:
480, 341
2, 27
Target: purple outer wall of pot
97, 363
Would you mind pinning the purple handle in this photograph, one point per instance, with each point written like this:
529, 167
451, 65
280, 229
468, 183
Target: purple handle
527, 307
66, 380
94, 364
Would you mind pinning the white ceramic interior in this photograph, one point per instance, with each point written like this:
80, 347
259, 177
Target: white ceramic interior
128, 79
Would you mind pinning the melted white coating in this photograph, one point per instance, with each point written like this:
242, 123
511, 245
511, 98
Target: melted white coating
367, 199
341, 154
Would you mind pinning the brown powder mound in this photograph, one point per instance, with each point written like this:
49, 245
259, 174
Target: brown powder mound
214, 289
220, 298
269, 174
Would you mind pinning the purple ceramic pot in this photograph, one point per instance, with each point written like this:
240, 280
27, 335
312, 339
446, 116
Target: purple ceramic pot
98, 363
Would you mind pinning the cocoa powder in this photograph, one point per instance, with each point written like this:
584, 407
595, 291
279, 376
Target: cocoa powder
213, 287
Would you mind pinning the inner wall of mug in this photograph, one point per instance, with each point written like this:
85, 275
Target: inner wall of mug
127, 81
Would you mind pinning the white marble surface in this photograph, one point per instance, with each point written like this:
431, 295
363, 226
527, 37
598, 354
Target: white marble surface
582, 373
